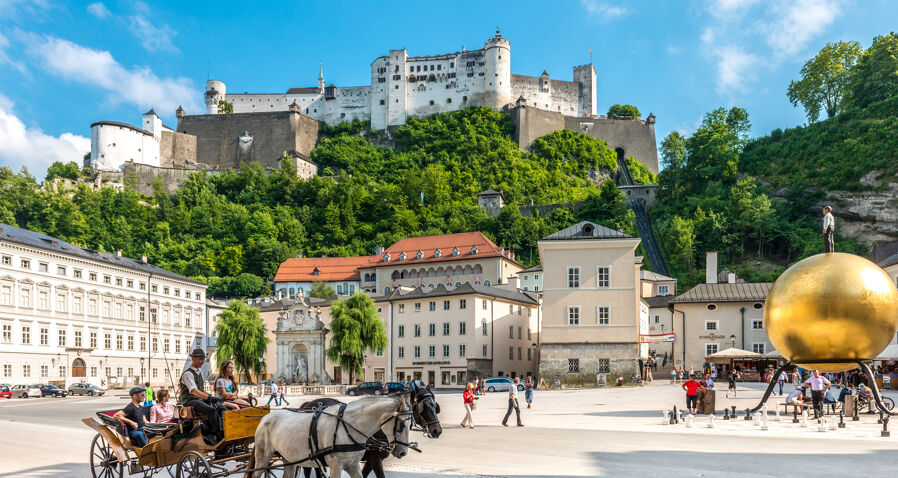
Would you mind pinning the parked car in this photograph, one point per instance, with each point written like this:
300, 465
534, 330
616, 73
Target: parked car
397, 387
26, 391
501, 384
5, 392
53, 391
85, 389
367, 388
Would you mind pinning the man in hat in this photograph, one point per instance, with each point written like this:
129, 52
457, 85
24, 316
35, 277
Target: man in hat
191, 393
134, 417
829, 226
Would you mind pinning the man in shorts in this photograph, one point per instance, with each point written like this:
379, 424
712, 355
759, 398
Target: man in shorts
731, 378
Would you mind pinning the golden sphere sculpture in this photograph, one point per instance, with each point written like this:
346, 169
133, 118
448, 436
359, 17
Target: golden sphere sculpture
831, 307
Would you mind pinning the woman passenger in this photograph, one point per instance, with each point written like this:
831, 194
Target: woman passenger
226, 387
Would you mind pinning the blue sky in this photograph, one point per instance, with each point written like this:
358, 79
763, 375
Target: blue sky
64, 65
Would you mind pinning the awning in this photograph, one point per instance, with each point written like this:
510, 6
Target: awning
732, 354
773, 354
890, 353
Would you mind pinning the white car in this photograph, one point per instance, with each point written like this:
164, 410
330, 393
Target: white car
501, 384
26, 391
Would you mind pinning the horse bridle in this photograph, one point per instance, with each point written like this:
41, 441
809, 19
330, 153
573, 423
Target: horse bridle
398, 423
419, 400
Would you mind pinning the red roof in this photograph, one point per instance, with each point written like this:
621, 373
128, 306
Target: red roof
445, 243
330, 269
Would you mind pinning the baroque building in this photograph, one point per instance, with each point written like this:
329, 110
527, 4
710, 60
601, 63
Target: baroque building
70, 314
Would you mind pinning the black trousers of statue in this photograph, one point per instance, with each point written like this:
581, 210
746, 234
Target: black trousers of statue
828, 244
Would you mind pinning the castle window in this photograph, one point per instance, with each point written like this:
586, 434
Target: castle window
419, 67
431, 102
470, 74
464, 98
397, 77
431, 67
451, 65
381, 80
448, 100
439, 67
381, 101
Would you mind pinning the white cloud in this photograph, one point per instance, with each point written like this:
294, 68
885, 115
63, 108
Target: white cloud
603, 10
729, 8
139, 85
31, 147
735, 69
796, 23
152, 38
98, 10
5, 59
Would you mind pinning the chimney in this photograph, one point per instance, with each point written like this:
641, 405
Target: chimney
514, 282
118, 253
711, 267
378, 251
731, 278
143, 259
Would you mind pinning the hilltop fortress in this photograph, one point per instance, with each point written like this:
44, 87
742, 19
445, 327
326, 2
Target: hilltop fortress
264, 127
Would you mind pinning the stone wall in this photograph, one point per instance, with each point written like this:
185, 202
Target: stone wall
554, 362
144, 175
218, 141
635, 137
177, 149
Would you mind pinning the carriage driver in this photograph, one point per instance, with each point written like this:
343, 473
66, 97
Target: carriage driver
191, 393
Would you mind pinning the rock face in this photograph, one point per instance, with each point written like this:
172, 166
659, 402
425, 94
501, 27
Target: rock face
869, 216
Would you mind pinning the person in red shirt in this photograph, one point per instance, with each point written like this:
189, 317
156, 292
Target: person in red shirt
692, 387
468, 398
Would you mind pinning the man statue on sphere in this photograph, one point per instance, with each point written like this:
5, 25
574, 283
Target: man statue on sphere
829, 225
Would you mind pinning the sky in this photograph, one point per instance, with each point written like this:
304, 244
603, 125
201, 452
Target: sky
65, 65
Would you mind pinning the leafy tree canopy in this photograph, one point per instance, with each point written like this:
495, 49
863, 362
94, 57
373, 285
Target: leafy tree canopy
242, 338
825, 79
355, 328
623, 110
322, 290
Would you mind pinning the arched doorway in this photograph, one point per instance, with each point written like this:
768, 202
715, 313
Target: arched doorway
78, 368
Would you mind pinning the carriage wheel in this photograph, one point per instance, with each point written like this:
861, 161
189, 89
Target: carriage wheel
193, 465
103, 462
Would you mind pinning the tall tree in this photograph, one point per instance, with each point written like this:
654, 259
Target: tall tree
825, 79
242, 337
876, 76
355, 328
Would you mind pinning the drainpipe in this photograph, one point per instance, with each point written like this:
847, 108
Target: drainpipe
390, 345
742, 311
672, 309
493, 333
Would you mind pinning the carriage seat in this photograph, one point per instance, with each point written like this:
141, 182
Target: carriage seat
151, 429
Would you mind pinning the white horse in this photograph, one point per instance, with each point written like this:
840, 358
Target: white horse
287, 433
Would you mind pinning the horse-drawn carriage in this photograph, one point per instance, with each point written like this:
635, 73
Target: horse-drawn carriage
255, 441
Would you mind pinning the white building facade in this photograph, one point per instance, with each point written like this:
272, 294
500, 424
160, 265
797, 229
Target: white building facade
69, 314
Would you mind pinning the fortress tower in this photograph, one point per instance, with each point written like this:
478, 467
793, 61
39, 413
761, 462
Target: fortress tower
215, 91
497, 72
585, 76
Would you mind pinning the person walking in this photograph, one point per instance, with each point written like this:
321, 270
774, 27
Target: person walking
149, 394
819, 385
829, 226
691, 386
528, 391
282, 389
673, 376
513, 403
779, 381
273, 394
731, 378
468, 400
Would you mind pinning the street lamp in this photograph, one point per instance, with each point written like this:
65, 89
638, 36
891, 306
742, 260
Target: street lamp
733, 340
140, 379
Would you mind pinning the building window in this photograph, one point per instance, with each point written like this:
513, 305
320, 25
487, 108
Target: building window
26, 370
61, 337
400, 331
445, 351
462, 350
62, 371
6, 295
77, 338
7, 333
26, 335
43, 300
603, 315
26, 297
573, 315
76, 273
107, 279
60, 302
711, 307
663, 289
484, 304
130, 342
445, 305
60, 270
510, 353
710, 349
462, 328
177, 346
604, 365
93, 340
603, 277
757, 324
511, 331
758, 348
445, 328
431, 330
758, 306
143, 344
119, 281
573, 365
710, 325
45, 371
520, 357
7, 260
155, 345
483, 327
573, 277
401, 352
529, 354
416, 352
520, 333
401, 308
119, 342
417, 330
432, 306
417, 307
93, 371
45, 336
142, 286
484, 350
42, 267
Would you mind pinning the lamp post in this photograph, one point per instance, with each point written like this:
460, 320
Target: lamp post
140, 379
733, 340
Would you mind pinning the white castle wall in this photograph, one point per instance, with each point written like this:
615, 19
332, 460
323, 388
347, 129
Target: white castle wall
113, 144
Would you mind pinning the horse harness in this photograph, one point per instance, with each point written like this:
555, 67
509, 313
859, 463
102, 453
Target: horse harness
417, 416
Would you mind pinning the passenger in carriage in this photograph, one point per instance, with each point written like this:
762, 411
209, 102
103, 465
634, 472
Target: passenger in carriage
162, 411
226, 387
134, 417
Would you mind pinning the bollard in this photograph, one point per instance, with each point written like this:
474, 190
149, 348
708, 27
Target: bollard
794, 415
880, 418
821, 426
776, 411
676, 416
841, 419
747, 414
733, 413
710, 421
756, 419
666, 415
856, 417
726, 413
764, 423
885, 428
689, 420
804, 419
832, 423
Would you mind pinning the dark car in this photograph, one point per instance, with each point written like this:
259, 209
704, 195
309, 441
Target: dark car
85, 389
5, 392
397, 387
52, 390
367, 388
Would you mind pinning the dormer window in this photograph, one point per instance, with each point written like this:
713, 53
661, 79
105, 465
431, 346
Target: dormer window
419, 255
454, 251
473, 249
437, 253
401, 256
386, 258
315, 272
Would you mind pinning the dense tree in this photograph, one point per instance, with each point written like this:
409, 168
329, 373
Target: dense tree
875, 78
355, 329
225, 107
68, 170
623, 110
242, 338
825, 79
322, 290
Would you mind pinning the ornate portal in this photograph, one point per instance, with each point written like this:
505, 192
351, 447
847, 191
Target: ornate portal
300, 338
